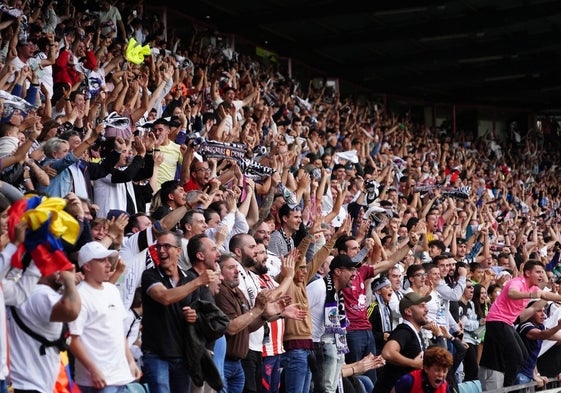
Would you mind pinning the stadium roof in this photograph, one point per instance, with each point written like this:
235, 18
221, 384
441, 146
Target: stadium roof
489, 53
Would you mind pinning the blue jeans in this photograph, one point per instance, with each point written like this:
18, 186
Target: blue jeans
219, 353
3, 386
271, 374
165, 375
107, 389
297, 374
234, 377
361, 343
521, 378
366, 383
328, 364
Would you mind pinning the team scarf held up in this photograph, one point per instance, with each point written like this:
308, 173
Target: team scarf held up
335, 319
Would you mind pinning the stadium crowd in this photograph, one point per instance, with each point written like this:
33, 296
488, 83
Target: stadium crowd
194, 220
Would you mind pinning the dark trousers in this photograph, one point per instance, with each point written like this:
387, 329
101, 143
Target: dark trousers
503, 350
471, 369
253, 369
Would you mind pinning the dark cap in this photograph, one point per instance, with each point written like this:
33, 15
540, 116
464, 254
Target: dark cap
343, 261
412, 299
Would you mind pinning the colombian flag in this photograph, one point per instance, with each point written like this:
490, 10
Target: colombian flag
47, 223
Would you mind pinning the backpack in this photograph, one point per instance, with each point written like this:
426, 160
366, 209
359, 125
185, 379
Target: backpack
62, 343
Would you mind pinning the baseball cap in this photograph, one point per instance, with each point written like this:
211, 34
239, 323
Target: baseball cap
343, 261
412, 299
94, 250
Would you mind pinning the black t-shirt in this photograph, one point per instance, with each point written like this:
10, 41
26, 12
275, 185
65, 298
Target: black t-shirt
410, 345
163, 327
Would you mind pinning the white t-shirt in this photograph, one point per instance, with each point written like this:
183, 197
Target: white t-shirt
135, 262
100, 325
29, 370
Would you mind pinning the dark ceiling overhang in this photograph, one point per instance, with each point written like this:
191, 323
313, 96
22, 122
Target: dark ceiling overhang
478, 52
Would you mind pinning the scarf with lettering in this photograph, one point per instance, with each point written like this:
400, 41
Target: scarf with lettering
336, 321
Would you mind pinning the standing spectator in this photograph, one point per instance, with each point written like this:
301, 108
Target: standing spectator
503, 351
12, 293
172, 196
200, 175
380, 313
470, 322
404, 349
262, 231
281, 242
59, 157
395, 276
115, 190
272, 343
169, 149
359, 333
103, 356
329, 322
111, 22
44, 314
166, 299
193, 223
298, 342
243, 320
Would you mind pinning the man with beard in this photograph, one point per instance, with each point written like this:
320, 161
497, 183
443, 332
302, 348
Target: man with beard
262, 232
274, 333
404, 349
244, 247
243, 320
329, 322
166, 296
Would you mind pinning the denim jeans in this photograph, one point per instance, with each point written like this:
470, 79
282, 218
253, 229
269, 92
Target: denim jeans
219, 353
297, 374
271, 374
366, 383
361, 343
521, 378
165, 375
3, 386
107, 389
327, 367
234, 377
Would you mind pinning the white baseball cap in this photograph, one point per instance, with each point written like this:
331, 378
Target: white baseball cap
94, 250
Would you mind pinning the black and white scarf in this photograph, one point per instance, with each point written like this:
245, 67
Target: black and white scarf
335, 319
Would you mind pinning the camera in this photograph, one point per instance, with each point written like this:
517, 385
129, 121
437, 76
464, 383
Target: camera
261, 150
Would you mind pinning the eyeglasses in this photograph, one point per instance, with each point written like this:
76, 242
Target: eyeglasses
202, 170
165, 246
420, 275
469, 286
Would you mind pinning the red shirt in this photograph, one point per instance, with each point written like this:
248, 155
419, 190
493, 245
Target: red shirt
355, 299
192, 185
